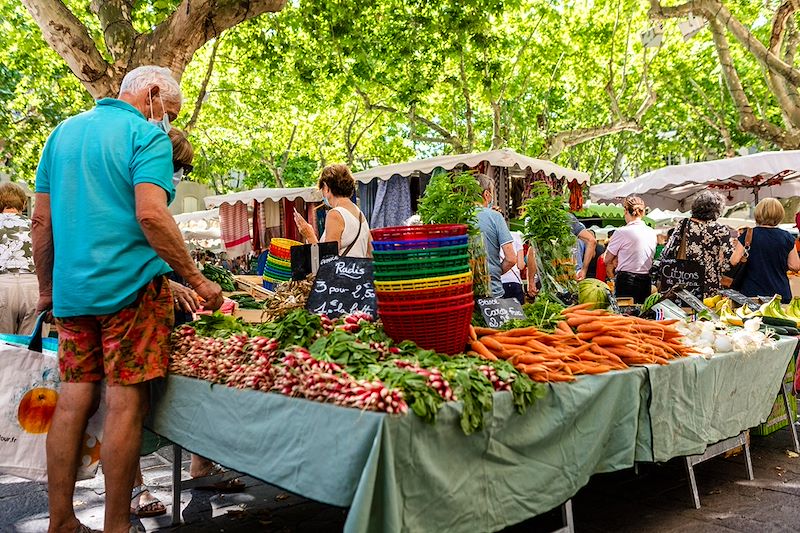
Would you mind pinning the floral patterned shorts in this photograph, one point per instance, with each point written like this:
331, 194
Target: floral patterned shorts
127, 347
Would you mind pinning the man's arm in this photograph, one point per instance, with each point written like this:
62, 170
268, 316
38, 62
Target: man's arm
42, 237
588, 253
611, 264
509, 257
164, 236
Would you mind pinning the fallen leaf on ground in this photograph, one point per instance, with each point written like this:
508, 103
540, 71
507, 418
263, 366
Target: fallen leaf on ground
282, 496
793, 455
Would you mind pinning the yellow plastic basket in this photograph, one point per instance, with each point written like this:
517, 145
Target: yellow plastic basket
279, 242
424, 283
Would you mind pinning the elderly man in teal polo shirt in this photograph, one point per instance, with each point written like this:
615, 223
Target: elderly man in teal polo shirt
103, 242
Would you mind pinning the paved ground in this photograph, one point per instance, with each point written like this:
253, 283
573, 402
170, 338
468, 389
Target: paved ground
654, 499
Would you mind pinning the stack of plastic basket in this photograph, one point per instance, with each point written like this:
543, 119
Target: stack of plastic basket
279, 264
423, 284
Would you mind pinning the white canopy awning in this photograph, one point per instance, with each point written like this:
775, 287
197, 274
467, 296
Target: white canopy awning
309, 194
748, 178
499, 158
210, 214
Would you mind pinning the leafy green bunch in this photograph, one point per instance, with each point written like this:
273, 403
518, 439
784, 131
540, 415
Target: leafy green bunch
545, 219
451, 198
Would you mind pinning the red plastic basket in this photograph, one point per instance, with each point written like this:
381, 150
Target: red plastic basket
443, 330
425, 231
281, 253
423, 294
445, 303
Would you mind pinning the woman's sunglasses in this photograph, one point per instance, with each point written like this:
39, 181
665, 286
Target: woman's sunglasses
178, 166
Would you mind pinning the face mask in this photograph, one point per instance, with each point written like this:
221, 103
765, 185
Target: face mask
325, 201
177, 177
163, 124
491, 203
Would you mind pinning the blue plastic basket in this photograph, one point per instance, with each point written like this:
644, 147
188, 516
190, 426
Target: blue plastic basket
438, 242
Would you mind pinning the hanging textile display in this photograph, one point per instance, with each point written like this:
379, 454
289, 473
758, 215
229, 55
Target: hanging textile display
392, 203
575, 196
235, 229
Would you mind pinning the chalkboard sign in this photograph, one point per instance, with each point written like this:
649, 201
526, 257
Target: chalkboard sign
498, 311
689, 273
740, 299
343, 285
695, 303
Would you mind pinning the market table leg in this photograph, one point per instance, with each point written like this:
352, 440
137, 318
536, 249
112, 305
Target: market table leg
789, 417
566, 513
177, 456
742, 439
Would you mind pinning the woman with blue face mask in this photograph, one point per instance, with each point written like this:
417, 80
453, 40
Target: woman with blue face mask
345, 223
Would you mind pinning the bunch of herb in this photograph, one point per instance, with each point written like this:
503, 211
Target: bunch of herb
451, 198
218, 325
547, 227
298, 328
543, 314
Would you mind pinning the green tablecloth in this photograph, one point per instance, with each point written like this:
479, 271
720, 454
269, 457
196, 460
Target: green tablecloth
397, 473
694, 401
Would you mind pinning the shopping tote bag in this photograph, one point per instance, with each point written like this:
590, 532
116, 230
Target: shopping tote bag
29, 388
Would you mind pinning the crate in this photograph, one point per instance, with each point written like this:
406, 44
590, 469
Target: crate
777, 417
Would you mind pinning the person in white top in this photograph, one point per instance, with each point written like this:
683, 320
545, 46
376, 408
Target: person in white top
512, 280
345, 223
630, 252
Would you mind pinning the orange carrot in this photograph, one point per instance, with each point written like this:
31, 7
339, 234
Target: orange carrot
473, 335
563, 326
577, 307
485, 331
481, 349
492, 344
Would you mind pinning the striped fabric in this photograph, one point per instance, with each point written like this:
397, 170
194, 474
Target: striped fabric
235, 229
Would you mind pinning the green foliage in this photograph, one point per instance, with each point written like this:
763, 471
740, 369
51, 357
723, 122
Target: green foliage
451, 198
546, 220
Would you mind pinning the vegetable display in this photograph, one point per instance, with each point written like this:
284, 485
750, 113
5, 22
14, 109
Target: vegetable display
219, 276
546, 225
348, 362
544, 314
586, 342
246, 301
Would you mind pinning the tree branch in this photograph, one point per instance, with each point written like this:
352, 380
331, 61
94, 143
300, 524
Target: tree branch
715, 10
193, 23
69, 37
201, 95
118, 32
567, 139
468, 116
747, 119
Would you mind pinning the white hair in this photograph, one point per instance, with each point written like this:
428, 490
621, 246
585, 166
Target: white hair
141, 77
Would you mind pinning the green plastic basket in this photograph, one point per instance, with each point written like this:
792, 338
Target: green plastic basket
390, 256
419, 273
430, 263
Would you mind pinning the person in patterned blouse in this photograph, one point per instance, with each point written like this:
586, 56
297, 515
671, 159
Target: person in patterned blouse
707, 241
19, 289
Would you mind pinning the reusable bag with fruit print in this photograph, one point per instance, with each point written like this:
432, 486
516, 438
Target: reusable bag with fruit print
29, 387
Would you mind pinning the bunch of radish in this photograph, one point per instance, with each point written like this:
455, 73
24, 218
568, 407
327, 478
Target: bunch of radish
352, 323
300, 374
434, 376
497, 383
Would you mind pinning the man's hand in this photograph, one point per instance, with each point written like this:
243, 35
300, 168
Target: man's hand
211, 293
580, 275
45, 305
185, 298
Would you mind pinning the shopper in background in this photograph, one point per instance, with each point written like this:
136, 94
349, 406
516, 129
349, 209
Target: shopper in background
345, 223
584, 247
771, 254
512, 279
630, 251
707, 241
19, 289
599, 250
496, 236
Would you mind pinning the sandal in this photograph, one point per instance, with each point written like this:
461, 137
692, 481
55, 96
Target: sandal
86, 529
147, 510
230, 485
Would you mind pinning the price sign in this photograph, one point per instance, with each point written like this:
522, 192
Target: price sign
343, 285
740, 299
498, 311
695, 303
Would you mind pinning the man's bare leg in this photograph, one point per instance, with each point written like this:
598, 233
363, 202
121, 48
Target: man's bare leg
122, 440
76, 403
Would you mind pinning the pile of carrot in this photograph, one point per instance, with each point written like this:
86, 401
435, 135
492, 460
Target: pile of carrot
586, 342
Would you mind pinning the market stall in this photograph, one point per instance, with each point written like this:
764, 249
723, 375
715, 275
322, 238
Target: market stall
397, 473
250, 219
382, 189
201, 230
740, 179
